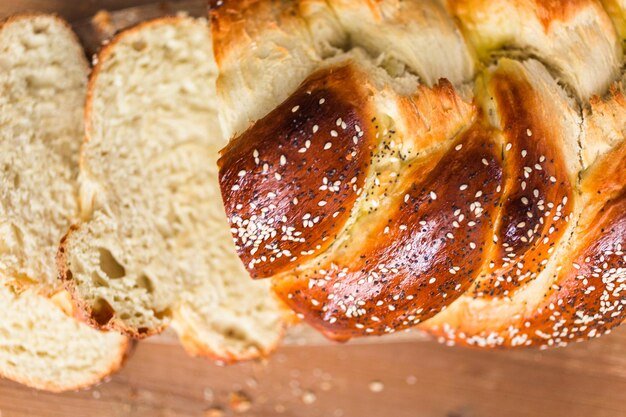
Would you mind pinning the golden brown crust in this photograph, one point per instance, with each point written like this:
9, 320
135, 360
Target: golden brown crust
433, 114
547, 12
339, 291
196, 347
235, 22
580, 293
585, 299
537, 199
319, 141
424, 254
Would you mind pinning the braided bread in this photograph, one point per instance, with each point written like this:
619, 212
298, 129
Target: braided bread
390, 169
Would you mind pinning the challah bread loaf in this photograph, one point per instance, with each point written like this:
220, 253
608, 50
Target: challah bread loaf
369, 223
43, 75
153, 246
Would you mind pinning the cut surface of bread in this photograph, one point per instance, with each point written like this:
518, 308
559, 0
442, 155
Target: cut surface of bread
43, 75
154, 246
44, 347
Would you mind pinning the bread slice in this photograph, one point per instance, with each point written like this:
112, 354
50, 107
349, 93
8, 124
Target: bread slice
154, 246
43, 74
43, 347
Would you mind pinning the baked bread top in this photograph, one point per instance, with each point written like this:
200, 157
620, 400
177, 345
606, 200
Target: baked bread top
471, 223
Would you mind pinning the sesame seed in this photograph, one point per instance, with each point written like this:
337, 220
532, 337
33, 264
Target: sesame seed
322, 101
321, 203
295, 109
376, 386
433, 196
315, 128
485, 162
283, 159
333, 133
241, 173
327, 146
458, 147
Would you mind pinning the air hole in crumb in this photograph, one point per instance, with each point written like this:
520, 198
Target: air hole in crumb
234, 333
18, 235
102, 312
98, 281
40, 27
163, 314
109, 265
145, 283
139, 45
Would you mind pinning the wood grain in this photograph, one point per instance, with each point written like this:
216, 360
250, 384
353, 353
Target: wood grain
419, 379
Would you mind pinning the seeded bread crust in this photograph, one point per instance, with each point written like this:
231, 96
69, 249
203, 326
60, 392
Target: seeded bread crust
503, 235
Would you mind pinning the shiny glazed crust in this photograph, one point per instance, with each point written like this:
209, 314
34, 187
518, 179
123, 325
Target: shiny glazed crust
503, 225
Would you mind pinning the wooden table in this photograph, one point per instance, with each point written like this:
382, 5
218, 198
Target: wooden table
417, 378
